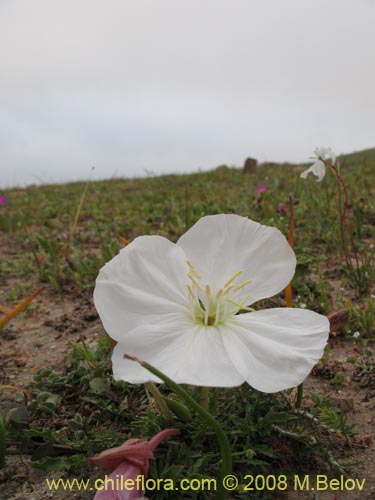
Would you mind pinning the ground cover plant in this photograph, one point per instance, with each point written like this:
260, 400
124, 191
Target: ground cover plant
60, 403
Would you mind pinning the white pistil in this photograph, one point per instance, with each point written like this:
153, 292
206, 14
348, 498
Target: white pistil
211, 309
206, 316
239, 305
217, 313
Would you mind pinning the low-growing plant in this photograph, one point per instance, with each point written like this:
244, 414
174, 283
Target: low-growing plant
87, 411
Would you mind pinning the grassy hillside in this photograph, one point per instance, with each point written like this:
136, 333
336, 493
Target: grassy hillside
56, 356
39, 223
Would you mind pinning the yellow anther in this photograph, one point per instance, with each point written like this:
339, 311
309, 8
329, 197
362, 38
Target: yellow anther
241, 285
193, 270
232, 279
190, 290
210, 306
195, 282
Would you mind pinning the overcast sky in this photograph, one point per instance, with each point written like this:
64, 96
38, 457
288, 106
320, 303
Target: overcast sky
178, 85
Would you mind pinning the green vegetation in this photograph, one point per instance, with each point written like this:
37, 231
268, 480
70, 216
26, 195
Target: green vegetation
39, 220
64, 234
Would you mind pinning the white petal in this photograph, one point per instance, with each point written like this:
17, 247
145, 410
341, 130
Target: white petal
145, 281
221, 245
317, 152
305, 173
332, 155
186, 352
321, 152
275, 349
325, 154
319, 169
328, 154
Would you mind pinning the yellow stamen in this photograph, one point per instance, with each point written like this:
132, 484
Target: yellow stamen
238, 287
195, 282
190, 290
193, 270
232, 278
209, 307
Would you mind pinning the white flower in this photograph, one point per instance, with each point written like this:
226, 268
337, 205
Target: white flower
176, 306
318, 168
356, 335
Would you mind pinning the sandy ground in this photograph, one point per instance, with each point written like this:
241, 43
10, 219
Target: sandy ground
40, 337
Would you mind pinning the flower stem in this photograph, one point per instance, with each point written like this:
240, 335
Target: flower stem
299, 395
163, 407
288, 289
20, 307
226, 452
343, 208
205, 397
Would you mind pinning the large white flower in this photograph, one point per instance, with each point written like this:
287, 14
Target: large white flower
176, 306
318, 168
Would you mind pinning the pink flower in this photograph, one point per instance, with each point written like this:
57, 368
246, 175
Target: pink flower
281, 208
129, 465
3, 200
261, 188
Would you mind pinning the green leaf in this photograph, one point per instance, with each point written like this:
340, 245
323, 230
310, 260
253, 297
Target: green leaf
276, 418
180, 410
19, 417
266, 451
45, 450
59, 463
40, 433
99, 385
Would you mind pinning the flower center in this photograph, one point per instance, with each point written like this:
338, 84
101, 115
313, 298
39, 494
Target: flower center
214, 308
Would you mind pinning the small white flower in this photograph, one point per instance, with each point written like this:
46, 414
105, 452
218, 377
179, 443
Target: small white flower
176, 306
325, 154
356, 335
318, 168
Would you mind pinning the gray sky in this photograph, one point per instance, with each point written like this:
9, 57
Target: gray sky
177, 85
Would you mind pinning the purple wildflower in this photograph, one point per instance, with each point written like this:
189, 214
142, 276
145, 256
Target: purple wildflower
261, 188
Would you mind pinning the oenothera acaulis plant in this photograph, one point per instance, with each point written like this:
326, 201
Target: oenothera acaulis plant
357, 264
184, 309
